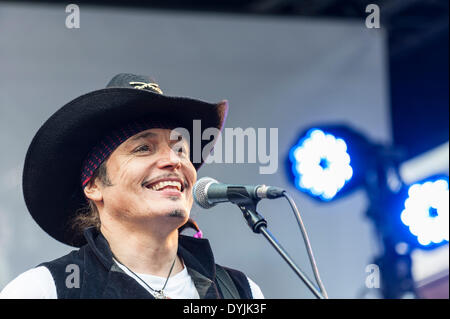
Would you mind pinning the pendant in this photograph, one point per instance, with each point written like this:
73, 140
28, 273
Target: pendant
159, 294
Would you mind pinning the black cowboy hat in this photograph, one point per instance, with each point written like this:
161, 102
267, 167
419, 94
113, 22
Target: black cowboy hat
53, 163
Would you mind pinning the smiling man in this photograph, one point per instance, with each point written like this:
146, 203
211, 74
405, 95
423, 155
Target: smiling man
109, 173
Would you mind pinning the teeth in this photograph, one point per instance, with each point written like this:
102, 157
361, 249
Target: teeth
161, 185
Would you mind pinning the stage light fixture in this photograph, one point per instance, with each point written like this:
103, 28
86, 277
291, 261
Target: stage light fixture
426, 211
323, 163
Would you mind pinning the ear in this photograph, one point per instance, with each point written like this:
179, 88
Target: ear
93, 191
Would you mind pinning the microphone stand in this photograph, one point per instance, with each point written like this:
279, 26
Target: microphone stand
258, 225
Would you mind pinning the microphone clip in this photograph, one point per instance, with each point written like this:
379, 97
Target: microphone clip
254, 220
239, 195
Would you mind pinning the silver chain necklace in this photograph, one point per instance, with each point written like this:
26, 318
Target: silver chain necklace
158, 294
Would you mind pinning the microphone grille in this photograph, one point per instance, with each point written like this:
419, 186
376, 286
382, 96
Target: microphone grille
200, 191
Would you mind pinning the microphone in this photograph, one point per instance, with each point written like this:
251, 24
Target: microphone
208, 192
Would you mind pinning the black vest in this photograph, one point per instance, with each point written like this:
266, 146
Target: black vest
100, 277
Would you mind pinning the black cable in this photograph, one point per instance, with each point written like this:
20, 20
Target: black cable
307, 244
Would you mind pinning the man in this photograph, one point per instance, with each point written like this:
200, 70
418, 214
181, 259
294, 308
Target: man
109, 163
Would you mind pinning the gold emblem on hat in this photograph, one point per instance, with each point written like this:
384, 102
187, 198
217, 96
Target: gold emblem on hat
143, 85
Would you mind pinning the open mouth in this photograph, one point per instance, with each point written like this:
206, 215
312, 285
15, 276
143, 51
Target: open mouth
166, 184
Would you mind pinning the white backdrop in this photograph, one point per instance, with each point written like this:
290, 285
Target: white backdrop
281, 73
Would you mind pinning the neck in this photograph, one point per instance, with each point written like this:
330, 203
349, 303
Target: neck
144, 252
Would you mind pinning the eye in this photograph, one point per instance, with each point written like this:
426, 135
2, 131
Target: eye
142, 148
181, 149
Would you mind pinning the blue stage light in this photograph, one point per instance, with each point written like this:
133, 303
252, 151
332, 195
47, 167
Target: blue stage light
321, 164
426, 211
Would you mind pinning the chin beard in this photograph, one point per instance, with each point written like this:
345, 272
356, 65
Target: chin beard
178, 213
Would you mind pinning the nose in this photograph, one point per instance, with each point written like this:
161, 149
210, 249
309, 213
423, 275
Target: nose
169, 159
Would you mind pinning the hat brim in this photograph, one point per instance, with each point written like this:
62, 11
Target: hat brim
53, 163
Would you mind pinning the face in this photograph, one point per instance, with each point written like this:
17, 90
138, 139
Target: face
152, 179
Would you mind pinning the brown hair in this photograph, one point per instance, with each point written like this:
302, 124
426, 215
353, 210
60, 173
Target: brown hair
88, 215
